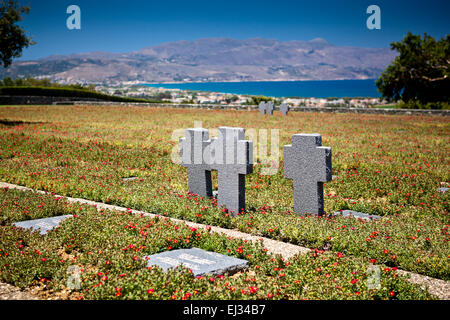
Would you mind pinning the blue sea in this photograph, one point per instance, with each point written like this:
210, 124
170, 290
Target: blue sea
317, 89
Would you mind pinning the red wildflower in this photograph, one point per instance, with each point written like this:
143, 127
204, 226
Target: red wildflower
253, 289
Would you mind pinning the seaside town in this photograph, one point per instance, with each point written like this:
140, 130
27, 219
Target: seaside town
135, 90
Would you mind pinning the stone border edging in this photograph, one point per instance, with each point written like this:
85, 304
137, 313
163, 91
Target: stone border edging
438, 287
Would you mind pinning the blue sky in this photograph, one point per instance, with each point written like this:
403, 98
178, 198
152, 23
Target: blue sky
124, 26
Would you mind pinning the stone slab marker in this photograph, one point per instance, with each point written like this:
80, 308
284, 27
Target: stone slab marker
195, 156
284, 108
233, 158
44, 225
357, 215
309, 165
443, 189
201, 262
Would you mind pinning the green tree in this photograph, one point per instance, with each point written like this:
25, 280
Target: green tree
255, 100
12, 37
420, 74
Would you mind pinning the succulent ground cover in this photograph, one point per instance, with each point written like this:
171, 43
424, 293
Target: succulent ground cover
385, 165
106, 248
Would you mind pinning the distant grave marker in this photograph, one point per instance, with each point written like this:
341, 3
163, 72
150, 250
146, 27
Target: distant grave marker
201, 262
262, 107
309, 165
266, 107
284, 108
44, 224
269, 108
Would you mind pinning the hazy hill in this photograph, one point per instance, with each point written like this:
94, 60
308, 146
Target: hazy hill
214, 59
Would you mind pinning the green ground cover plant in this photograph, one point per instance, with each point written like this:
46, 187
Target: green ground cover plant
385, 165
107, 248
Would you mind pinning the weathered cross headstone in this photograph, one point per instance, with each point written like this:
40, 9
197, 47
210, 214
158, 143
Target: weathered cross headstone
309, 165
266, 107
44, 225
195, 156
284, 108
262, 107
201, 262
269, 108
233, 158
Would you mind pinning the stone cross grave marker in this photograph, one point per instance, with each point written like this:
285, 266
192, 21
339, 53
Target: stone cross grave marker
284, 109
233, 159
201, 262
44, 225
196, 157
269, 108
309, 165
262, 107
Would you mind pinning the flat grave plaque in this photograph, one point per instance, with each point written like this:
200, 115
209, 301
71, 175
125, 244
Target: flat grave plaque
129, 178
356, 214
44, 224
201, 262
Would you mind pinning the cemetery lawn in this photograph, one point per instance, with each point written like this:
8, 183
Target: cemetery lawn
385, 165
98, 255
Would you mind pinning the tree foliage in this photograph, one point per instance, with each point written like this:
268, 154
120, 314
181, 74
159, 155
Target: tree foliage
13, 38
255, 100
44, 82
420, 74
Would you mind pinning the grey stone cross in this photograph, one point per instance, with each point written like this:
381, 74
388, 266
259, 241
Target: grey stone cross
233, 158
284, 108
195, 150
266, 107
269, 107
309, 165
262, 107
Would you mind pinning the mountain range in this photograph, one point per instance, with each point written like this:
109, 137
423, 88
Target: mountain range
212, 59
